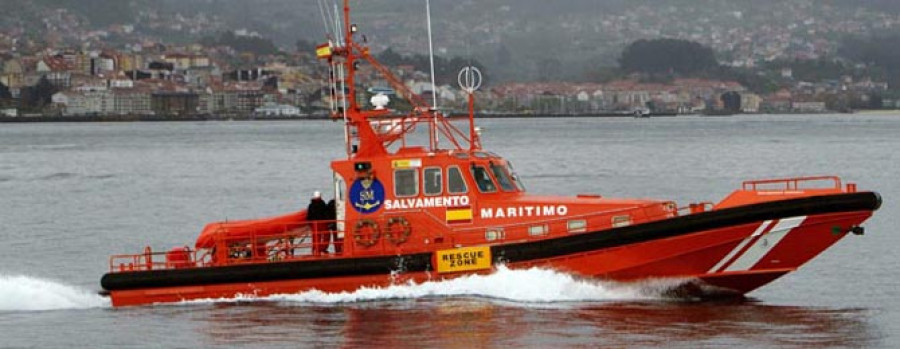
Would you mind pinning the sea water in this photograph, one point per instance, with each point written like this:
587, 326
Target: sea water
73, 194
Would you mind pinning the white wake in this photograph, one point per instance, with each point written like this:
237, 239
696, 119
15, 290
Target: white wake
535, 285
25, 293
521, 286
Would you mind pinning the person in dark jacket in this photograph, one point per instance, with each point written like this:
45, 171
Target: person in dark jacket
317, 215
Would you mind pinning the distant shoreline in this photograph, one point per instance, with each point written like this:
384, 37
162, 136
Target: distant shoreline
171, 118
158, 118
149, 118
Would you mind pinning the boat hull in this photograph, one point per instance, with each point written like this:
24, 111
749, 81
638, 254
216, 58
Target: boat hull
735, 250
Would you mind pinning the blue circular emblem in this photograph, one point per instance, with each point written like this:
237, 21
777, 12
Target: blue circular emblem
366, 195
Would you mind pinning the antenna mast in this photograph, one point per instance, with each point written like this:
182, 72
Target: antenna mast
375, 130
434, 106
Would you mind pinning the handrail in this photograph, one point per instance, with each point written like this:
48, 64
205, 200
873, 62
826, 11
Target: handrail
289, 243
293, 241
696, 207
789, 183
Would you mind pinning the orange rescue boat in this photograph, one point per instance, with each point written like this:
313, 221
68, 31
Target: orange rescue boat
407, 212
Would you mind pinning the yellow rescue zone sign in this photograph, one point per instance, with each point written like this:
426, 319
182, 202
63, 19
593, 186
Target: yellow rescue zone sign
463, 259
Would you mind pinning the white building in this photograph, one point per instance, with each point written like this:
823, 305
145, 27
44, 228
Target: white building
809, 107
85, 103
121, 83
278, 110
132, 102
103, 65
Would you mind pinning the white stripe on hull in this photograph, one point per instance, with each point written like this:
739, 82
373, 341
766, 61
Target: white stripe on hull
766, 243
762, 227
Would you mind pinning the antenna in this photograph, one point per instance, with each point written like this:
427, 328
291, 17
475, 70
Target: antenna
434, 104
324, 19
339, 33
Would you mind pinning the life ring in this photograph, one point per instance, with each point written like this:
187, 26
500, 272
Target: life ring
360, 237
405, 230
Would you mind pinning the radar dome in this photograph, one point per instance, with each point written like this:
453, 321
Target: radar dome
380, 101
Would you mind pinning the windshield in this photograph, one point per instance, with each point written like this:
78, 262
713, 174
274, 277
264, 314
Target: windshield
455, 182
515, 177
483, 179
500, 173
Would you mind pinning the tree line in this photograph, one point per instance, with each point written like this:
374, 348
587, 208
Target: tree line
445, 69
661, 60
879, 54
30, 97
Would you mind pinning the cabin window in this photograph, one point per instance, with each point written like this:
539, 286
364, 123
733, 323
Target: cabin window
433, 181
499, 173
483, 179
621, 221
514, 176
492, 234
577, 226
406, 182
455, 182
538, 230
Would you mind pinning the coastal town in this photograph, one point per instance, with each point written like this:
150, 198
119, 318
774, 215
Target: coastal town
73, 69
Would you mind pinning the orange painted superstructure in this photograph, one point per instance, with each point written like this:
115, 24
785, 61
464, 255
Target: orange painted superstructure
408, 212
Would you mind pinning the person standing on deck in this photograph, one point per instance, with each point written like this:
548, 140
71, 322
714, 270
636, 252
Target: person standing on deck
317, 215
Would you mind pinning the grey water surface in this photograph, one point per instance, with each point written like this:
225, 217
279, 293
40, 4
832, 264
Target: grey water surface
73, 194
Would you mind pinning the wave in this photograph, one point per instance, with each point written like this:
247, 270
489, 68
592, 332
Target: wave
529, 286
55, 146
58, 176
533, 286
25, 293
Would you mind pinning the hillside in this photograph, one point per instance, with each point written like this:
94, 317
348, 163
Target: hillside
528, 39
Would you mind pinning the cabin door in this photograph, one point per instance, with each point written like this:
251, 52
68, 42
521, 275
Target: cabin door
340, 203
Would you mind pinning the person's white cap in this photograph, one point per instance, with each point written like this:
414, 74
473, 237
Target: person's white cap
317, 194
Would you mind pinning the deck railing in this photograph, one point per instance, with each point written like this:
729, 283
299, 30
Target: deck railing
291, 241
799, 183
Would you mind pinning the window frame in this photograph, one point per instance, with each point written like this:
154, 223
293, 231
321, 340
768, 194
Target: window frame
462, 179
510, 186
511, 171
490, 177
415, 184
440, 183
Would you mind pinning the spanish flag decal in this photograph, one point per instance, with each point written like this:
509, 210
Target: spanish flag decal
459, 214
323, 51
